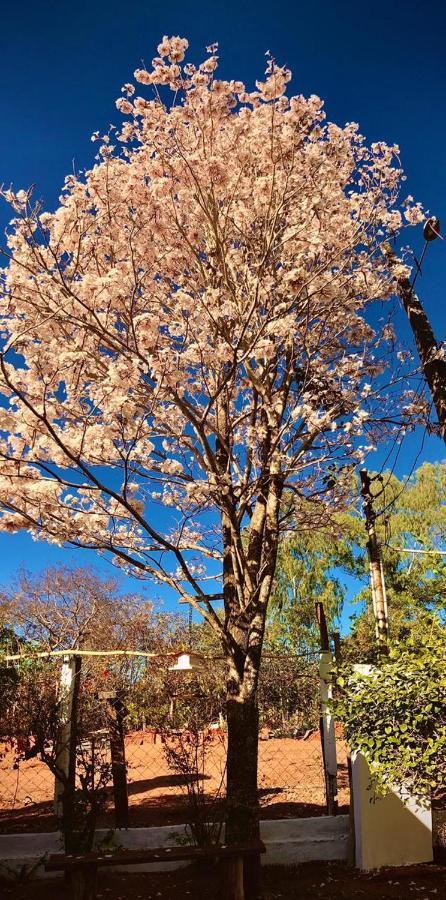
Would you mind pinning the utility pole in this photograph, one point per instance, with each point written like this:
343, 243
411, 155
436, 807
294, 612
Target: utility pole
379, 598
429, 349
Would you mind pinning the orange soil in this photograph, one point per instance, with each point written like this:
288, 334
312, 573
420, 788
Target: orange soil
291, 783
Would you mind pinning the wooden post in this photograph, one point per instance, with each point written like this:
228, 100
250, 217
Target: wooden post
235, 876
83, 882
69, 794
65, 787
328, 736
66, 688
379, 598
116, 714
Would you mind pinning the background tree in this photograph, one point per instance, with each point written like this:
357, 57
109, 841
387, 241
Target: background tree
64, 609
411, 529
308, 570
188, 336
411, 516
31, 725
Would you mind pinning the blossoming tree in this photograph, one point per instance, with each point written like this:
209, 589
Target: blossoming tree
187, 367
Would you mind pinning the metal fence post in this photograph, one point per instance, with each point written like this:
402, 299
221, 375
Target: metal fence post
328, 733
327, 725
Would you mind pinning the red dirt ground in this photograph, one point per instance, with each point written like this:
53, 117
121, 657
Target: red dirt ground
290, 780
312, 881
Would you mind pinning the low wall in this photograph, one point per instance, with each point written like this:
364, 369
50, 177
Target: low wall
287, 841
292, 841
392, 830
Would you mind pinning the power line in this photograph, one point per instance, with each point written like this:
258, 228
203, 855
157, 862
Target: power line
405, 482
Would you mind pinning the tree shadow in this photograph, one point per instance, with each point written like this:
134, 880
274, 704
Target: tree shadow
163, 781
32, 818
294, 810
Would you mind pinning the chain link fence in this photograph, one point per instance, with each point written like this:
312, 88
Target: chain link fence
148, 741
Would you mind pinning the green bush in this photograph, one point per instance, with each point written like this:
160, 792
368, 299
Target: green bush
396, 715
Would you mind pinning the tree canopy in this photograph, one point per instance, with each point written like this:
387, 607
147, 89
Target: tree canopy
64, 608
411, 529
188, 338
195, 332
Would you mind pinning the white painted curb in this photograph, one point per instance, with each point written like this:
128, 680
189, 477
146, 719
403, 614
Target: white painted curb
287, 841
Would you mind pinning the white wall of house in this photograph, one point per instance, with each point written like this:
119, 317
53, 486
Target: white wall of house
394, 830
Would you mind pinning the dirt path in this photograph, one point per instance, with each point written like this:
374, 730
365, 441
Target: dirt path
291, 783
308, 882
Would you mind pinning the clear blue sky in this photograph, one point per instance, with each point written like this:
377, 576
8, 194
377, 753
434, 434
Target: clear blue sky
62, 65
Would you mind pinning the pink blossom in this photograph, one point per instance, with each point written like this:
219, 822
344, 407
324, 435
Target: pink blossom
204, 285
124, 106
174, 48
414, 215
142, 76
209, 65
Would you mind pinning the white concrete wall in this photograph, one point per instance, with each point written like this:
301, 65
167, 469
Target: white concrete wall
287, 841
393, 830
292, 841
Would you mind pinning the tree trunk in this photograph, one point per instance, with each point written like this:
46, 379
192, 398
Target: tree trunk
242, 803
242, 820
248, 573
119, 768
